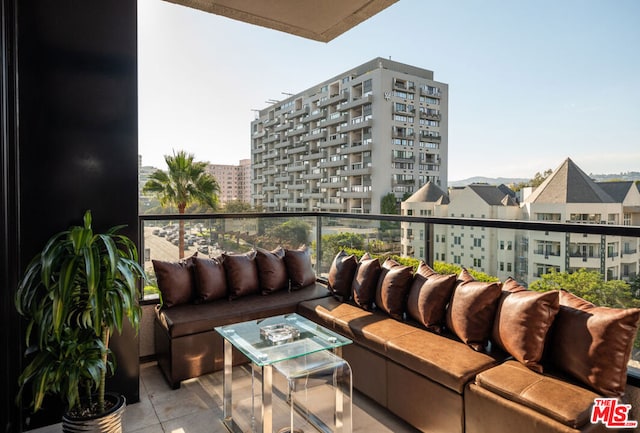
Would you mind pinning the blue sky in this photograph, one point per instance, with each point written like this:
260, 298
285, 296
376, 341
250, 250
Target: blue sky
530, 82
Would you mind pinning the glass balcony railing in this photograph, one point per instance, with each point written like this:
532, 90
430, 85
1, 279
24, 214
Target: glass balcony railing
498, 248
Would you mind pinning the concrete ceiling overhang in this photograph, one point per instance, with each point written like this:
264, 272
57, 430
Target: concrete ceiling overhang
320, 20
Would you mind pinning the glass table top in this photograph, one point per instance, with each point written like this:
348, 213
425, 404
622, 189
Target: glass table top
278, 338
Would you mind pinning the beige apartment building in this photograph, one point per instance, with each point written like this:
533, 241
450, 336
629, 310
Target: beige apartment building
343, 144
234, 180
567, 195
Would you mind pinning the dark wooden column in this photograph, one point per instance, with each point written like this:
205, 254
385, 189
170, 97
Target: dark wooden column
69, 143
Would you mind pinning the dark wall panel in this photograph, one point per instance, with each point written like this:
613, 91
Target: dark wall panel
76, 143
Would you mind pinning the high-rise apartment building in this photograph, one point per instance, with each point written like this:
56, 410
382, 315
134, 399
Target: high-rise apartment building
343, 144
234, 181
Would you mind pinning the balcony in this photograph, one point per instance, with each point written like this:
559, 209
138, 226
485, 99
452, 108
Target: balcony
332, 184
236, 232
271, 139
334, 119
296, 168
357, 123
315, 135
283, 126
318, 114
342, 96
297, 149
297, 113
302, 129
312, 156
356, 102
272, 122
336, 141
282, 161
355, 170
347, 150
329, 164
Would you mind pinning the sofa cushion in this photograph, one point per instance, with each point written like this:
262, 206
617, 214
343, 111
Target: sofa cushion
593, 344
242, 274
365, 281
428, 297
472, 309
188, 319
341, 273
175, 281
272, 272
298, 263
392, 288
371, 329
210, 279
444, 360
556, 398
522, 321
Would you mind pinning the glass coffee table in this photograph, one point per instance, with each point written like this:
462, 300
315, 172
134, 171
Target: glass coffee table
288, 339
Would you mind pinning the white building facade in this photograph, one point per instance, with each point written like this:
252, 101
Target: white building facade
567, 195
343, 144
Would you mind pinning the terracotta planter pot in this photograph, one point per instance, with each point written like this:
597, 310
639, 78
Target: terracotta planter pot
108, 422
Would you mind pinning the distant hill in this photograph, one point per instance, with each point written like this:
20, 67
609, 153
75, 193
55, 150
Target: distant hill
631, 175
489, 180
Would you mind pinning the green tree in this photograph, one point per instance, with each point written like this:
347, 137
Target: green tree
536, 181
292, 233
185, 183
237, 206
389, 204
589, 285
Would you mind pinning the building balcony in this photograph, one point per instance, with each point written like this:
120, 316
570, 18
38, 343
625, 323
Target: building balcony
270, 188
259, 134
332, 206
357, 123
333, 120
430, 116
330, 164
313, 116
347, 150
283, 126
257, 150
430, 93
271, 122
342, 96
282, 196
356, 103
315, 195
298, 131
299, 206
332, 142
258, 181
310, 176
297, 113
296, 168
271, 139
297, 186
336, 184
315, 136
297, 149
355, 171
238, 232
259, 165
313, 156
282, 178
355, 194
270, 171
282, 161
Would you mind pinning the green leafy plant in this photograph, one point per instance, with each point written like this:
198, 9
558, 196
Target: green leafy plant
75, 293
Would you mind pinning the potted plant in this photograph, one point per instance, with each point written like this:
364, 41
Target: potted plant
75, 293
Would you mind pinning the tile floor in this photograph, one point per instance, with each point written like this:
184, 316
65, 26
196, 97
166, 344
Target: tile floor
197, 407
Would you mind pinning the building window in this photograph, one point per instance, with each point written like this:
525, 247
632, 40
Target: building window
509, 245
501, 266
477, 242
477, 263
508, 267
457, 240
456, 260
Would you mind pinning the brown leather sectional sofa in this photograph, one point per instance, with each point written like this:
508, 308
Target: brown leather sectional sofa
445, 353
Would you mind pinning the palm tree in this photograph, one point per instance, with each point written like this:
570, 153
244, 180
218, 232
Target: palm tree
185, 183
